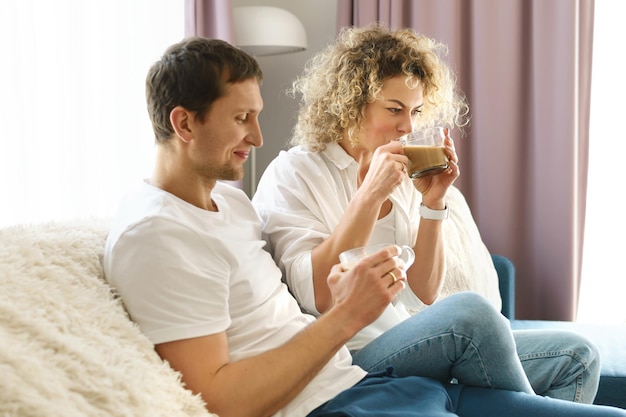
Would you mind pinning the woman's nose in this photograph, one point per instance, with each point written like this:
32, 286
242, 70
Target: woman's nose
406, 125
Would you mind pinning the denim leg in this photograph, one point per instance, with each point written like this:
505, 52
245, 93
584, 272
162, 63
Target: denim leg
559, 363
385, 396
481, 402
461, 336
389, 396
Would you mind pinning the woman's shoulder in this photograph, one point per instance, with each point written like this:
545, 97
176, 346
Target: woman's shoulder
296, 159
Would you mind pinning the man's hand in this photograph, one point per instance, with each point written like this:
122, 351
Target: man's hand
367, 289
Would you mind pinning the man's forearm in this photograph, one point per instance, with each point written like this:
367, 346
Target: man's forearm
263, 384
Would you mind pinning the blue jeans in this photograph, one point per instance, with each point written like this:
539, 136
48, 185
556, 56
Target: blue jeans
559, 364
463, 337
383, 395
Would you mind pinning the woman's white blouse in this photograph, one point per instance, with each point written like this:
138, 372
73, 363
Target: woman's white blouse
301, 198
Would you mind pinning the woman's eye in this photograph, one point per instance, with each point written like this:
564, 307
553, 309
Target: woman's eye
395, 110
416, 112
242, 119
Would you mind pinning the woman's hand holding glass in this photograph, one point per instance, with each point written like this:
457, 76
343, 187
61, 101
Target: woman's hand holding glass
434, 187
386, 170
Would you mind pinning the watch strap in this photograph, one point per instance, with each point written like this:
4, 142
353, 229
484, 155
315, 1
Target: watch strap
430, 214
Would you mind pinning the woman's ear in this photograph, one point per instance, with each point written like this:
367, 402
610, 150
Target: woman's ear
182, 120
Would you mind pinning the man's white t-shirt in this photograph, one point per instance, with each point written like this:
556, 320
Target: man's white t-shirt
185, 272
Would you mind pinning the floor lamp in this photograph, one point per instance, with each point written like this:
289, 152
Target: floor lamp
264, 31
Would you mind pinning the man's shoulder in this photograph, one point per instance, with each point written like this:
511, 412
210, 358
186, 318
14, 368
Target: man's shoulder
148, 209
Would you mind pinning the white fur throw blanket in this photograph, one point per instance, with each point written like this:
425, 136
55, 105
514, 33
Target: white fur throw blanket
67, 347
469, 266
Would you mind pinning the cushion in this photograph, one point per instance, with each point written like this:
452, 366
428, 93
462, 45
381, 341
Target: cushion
67, 347
468, 261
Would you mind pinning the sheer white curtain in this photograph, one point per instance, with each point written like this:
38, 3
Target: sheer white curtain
75, 131
603, 284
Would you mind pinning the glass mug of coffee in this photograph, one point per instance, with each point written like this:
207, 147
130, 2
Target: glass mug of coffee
425, 151
351, 257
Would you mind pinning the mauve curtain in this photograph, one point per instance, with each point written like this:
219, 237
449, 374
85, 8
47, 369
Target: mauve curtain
525, 66
209, 18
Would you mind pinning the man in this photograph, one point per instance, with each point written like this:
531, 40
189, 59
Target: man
186, 254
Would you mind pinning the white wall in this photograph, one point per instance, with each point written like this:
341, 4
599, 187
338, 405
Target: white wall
279, 114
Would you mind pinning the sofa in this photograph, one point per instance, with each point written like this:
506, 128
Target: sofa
610, 339
473, 267
68, 348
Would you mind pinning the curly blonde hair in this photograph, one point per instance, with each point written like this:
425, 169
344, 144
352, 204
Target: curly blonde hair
340, 81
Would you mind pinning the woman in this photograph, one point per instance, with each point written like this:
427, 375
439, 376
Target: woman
344, 185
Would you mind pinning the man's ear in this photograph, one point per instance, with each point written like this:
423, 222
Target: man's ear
182, 121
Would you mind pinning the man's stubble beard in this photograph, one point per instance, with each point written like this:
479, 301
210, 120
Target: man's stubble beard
223, 173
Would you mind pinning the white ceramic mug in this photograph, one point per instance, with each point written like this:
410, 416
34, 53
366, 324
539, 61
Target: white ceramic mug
351, 257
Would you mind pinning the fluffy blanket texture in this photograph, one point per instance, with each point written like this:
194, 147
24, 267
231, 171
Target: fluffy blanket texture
468, 261
67, 347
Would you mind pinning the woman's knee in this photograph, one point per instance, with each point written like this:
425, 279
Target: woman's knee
472, 310
474, 304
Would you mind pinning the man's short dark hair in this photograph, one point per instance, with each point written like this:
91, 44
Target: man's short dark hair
193, 74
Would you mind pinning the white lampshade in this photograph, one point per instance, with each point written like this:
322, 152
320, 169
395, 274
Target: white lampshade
264, 30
